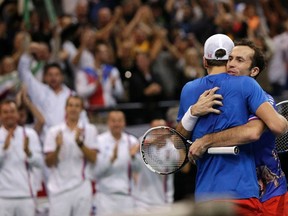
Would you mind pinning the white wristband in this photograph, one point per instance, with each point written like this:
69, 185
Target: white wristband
188, 121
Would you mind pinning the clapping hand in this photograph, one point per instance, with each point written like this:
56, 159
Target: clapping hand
59, 140
79, 138
134, 149
8, 139
115, 152
26, 146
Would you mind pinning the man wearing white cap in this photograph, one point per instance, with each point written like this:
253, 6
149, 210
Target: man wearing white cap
226, 177
270, 175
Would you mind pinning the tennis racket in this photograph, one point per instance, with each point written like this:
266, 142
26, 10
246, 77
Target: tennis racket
165, 151
281, 142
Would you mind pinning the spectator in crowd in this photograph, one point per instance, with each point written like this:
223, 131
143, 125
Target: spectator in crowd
20, 43
27, 109
42, 58
135, 21
273, 15
107, 23
152, 190
140, 34
77, 43
39, 26
172, 61
115, 164
21, 152
142, 31
160, 16
49, 96
148, 84
4, 39
81, 12
10, 22
96, 6
193, 68
70, 7
100, 85
204, 25
81, 56
277, 68
184, 13
229, 22
70, 154
253, 20
125, 57
9, 81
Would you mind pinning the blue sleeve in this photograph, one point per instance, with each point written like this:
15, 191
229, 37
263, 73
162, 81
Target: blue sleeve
189, 95
253, 93
181, 111
270, 100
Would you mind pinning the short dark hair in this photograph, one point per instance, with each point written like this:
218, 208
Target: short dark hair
8, 101
214, 62
76, 97
100, 43
50, 65
116, 110
258, 59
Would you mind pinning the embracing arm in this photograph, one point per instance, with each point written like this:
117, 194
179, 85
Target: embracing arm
274, 121
203, 106
239, 135
243, 134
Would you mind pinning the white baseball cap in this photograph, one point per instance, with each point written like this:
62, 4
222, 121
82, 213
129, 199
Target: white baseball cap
217, 42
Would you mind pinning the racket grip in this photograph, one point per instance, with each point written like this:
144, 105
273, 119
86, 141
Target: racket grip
234, 150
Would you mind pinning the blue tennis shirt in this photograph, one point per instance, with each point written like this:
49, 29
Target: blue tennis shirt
225, 176
268, 164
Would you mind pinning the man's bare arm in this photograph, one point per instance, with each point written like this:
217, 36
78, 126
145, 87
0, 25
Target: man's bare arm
247, 133
243, 134
274, 121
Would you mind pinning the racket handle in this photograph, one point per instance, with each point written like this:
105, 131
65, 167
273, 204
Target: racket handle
234, 150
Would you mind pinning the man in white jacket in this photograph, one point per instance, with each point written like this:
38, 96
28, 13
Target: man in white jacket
113, 172
20, 152
49, 96
70, 149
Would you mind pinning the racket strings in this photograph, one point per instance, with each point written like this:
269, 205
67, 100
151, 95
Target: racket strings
163, 151
282, 141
